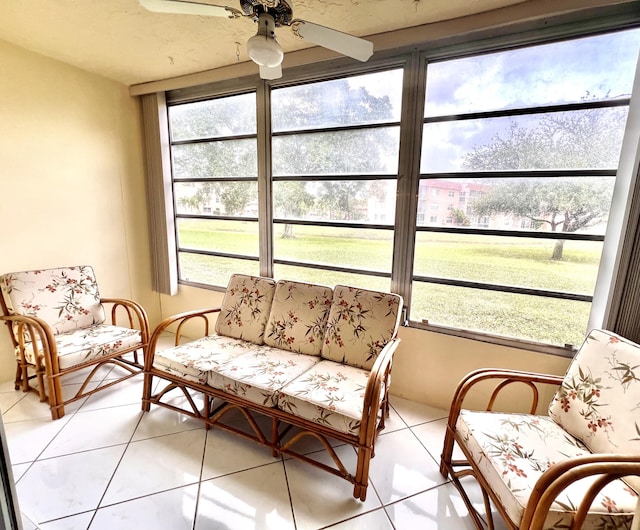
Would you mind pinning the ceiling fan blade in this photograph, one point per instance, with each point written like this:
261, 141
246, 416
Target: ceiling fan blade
333, 39
273, 72
189, 8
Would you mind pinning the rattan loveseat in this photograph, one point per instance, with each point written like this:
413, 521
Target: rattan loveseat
313, 359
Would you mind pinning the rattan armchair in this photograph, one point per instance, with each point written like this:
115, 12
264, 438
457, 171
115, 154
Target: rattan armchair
58, 326
577, 467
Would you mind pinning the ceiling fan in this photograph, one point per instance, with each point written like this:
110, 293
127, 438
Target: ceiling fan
263, 47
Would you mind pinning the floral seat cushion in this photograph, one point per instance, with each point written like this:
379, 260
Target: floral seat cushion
329, 393
360, 324
85, 344
194, 359
245, 308
65, 298
298, 317
513, 450
259, 375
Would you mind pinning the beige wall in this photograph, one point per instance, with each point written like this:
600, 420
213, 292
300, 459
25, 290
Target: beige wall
428, 366
72, 178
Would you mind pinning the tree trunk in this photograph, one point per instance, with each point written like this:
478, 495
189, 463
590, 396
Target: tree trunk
287, 233
557, 250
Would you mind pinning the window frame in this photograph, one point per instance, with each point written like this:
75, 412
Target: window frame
414, 62
343, 73
225, 93
563, 31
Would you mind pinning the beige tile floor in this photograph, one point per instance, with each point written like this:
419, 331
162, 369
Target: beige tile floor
107, 465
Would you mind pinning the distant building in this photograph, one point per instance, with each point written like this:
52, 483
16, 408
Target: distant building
440, 200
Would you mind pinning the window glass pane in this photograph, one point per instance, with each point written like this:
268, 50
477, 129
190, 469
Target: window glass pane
353, 152
230, 237
333, 246
583, 139
555, 265
560, 204
230, 158
497, 224
357, 100
217, 198
546, 320
371, 201
592, 68
213, 270
227, 116
331, 278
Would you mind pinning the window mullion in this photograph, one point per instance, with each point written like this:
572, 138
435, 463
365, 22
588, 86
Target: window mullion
265, 188
414, 84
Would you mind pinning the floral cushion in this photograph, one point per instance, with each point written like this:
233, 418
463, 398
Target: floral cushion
360, 324
193, 360
598, 399
599, 393
298, 317
65, 298
258, 375
80, 345
245, 308
513, 450
329, 393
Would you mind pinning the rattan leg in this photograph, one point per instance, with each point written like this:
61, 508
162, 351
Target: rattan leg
19, 376
362, 473
146, 391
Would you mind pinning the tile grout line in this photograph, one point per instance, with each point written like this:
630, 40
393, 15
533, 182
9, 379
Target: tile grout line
115, 470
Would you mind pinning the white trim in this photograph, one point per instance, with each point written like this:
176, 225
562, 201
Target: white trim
622, 224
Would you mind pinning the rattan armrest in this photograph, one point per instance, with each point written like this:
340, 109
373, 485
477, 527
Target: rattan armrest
131, 308
181, 319
559, 476
379, 375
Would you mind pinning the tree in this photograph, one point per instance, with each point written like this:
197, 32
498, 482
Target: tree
568, 140
566, 206
343, 152
291, 200
343, 200
325, 152
459, 218
216, 159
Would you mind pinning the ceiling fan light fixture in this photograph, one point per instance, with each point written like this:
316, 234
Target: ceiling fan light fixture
264, 51
263, 48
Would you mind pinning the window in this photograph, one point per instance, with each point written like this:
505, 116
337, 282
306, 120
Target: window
533, 137
506, 136
215, 174
335, 164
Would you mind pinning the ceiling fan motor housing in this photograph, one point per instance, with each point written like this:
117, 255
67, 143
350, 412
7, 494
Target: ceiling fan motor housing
280, 10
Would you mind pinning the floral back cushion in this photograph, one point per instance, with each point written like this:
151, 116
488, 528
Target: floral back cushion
65, 298
360, 324
600, 395
245, 308
298, 317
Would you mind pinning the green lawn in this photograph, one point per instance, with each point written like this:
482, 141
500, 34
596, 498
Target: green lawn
490, 259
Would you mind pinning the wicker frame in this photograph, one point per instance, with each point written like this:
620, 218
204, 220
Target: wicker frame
47, 371
552, 482
218, 403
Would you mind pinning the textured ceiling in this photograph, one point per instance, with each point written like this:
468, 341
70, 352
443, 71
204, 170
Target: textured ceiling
120, 40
